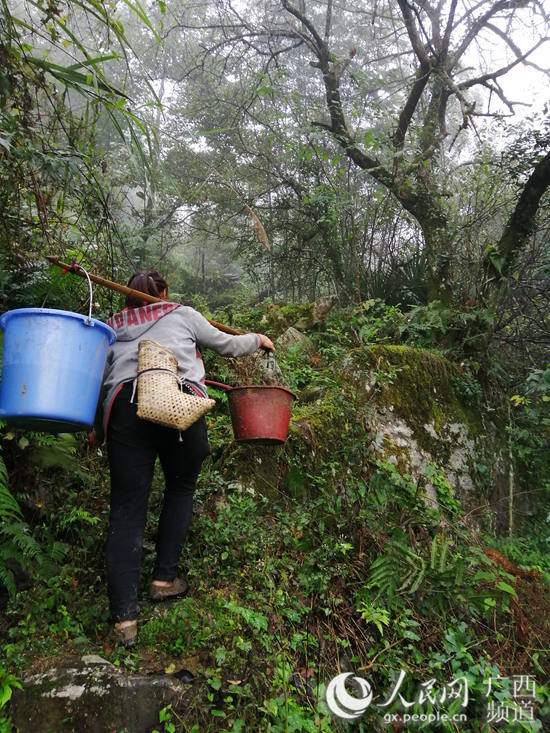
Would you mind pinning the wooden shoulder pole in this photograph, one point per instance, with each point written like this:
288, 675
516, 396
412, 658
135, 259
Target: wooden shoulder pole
129, 291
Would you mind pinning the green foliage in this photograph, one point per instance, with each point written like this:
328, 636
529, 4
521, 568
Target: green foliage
374, 615
439, 565
302, 560
166, 718
463, 331
529, 551
16, 544
31, 551
403, 283
372, 322
537, 384
8, 682
311, 558
445, 493
527, 430
9, 508
53, 193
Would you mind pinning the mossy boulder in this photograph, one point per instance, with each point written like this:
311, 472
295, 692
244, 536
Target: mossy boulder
422, 387
425, 413
303, 316
294, 338
277, 318
405, 405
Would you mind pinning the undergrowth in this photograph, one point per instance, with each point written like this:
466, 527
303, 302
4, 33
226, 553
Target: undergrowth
337, 562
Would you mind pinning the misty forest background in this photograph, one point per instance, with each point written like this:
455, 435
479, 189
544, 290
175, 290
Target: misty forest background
262, 155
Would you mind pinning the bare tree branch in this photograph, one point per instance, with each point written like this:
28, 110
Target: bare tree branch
320, 46
328, 21
418, 46
448, 31
519, 55
499, 72
422, 76
481, 22
496, 89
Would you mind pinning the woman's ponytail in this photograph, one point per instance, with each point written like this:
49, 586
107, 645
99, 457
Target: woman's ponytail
146, 281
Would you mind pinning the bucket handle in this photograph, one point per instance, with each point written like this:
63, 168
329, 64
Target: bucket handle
217, 384
74, 267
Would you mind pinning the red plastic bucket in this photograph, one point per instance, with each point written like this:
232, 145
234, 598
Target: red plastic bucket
260, 413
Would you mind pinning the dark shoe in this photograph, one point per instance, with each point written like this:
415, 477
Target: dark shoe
176, 589
126, 636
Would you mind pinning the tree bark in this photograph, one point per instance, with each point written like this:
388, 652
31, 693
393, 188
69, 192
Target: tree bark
500, 259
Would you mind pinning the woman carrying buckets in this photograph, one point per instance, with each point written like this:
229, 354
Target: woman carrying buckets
154, 369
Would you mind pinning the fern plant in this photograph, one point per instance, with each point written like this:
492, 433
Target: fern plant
10, 516
18, 547
427, 553
9, 508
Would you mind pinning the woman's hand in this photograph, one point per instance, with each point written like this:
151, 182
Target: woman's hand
266, 343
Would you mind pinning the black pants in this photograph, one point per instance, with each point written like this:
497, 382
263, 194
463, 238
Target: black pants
133, 446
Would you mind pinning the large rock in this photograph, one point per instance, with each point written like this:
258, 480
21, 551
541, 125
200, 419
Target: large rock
90, 695
317, 312
323, 306
293, 337
425, 417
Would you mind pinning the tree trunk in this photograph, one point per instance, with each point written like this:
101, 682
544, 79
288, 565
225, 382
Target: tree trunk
438, 249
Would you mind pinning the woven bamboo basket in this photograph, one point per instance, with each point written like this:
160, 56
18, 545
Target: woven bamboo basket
160, 398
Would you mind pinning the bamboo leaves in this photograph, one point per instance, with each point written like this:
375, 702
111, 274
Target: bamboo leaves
87, 74
89, 83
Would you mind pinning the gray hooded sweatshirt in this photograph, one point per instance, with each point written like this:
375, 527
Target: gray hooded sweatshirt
181, 329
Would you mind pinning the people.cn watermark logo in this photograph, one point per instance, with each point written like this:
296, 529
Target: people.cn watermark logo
515, 699
341, 703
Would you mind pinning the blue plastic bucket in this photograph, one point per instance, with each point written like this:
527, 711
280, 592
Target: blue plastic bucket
52, 367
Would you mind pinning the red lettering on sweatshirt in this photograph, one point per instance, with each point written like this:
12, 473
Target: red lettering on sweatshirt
131, 317
145, 314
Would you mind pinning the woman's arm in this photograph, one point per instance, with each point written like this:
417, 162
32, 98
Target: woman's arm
225, 343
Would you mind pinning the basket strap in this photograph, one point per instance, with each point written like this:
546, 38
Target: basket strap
160, 369
180, 380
